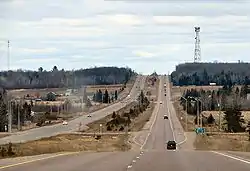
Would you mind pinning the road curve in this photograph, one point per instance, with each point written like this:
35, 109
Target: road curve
73, 125
154, 155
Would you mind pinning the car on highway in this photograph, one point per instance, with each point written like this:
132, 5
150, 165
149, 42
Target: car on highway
165, 116
165, 94
160, 102
89, 115
65, 123
171, 145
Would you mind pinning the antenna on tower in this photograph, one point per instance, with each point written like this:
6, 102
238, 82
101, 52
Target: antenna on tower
8, 55
197, 50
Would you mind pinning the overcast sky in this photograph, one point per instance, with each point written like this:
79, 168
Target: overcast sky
144, 35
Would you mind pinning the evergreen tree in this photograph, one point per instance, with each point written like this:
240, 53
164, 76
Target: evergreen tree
3, 111
116, 94
234, 120
106, 97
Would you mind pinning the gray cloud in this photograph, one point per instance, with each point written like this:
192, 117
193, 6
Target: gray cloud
146, 36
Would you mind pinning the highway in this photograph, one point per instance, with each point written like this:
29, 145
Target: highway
73, 125
152, 155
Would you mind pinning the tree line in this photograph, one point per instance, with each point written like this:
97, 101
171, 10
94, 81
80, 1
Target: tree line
105, 97
205, 73
24, 110
230, 99
120, 120
60, 78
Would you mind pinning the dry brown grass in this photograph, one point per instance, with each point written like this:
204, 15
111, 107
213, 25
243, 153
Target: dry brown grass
33, 92
95, 126
176, 93
137, 123
3, 134
228, 142
94, 88
181, 114
71, 143
216, 114
206, 88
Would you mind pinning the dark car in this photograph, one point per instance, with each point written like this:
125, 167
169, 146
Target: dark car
165, 94
171, 145
165, 117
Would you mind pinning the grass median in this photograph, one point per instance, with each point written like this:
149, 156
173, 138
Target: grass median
66, 143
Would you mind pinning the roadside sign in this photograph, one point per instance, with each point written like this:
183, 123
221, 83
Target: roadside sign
200, 130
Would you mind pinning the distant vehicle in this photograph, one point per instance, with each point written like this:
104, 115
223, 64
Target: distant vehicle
129, 95
65, 123
165, 95
171, 145
160, 102
165, 117
89, 115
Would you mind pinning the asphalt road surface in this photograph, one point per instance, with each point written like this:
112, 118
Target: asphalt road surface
73, 125
152, 156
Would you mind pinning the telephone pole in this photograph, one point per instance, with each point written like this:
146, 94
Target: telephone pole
8, 55
9, 102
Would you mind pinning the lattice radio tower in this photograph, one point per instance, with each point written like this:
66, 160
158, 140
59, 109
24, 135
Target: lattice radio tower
197, 50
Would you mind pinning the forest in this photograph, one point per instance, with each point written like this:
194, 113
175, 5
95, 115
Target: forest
60, 78
205, 73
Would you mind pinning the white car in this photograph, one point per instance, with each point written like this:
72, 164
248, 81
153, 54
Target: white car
65, 123
160, 102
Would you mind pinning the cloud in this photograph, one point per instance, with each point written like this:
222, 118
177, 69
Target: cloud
51, 22
146, 36
37, 60
44, 50
174, 19
121, 19
143, 54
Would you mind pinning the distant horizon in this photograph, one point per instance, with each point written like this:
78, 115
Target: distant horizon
145, 36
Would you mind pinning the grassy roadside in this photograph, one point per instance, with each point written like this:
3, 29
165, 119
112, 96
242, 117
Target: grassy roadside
181, 114
224, 142
68, 143
95, 126
138, 122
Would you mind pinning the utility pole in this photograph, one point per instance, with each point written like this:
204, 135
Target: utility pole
8, 55
198, 115
9, 103
10, 117
219, 114
186, 105
201, 118
18, 117
186, 115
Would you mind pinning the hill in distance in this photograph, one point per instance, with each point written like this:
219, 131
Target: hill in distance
205, 73
60, 78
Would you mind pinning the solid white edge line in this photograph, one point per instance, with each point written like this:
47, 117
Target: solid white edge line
151, 127
156, 114
231, 157
179, 143
171, 125
169, 113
